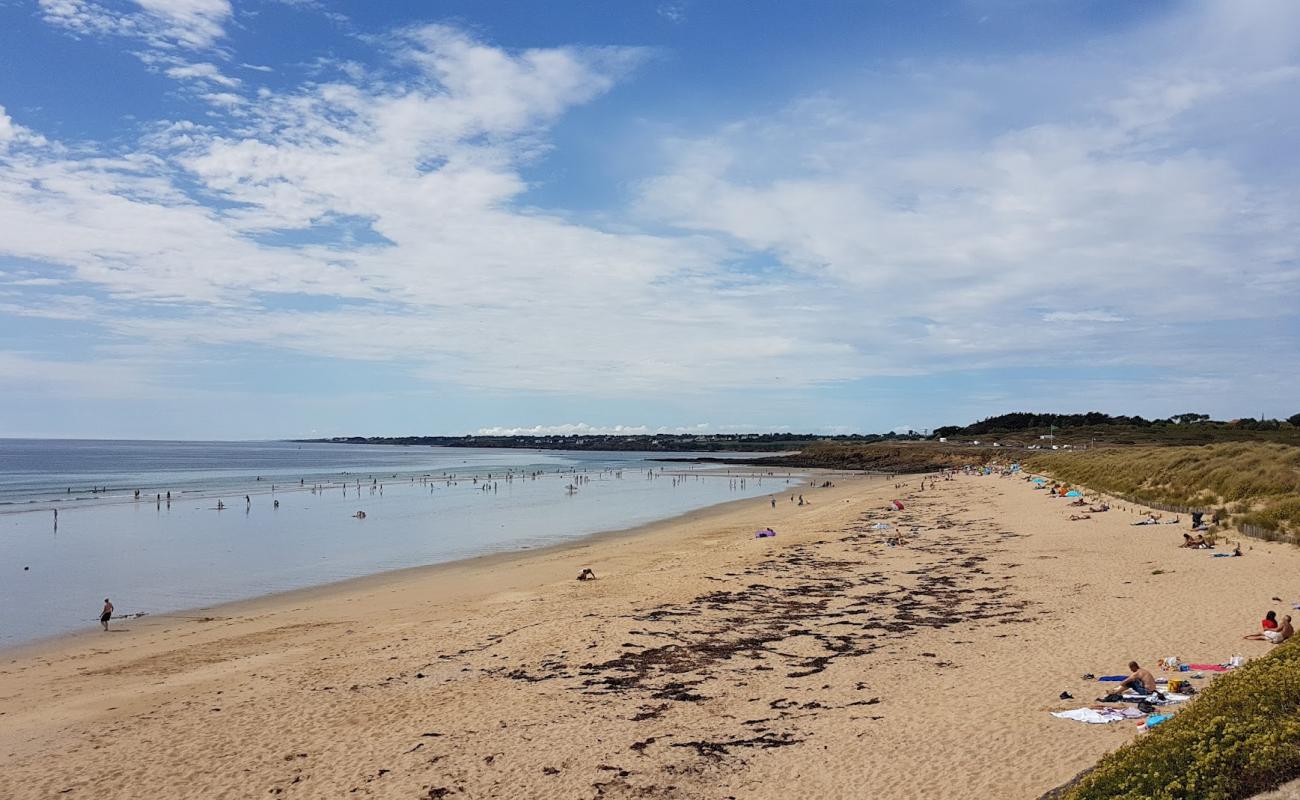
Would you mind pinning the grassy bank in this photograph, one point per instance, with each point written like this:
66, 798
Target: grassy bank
1239, 737
885, 457
1251, 484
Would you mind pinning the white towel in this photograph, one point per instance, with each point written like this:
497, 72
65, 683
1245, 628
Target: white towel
1092, 716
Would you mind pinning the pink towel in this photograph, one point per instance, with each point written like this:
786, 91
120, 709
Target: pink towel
1208, 667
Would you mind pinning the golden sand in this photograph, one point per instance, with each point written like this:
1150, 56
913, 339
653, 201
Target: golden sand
702, 663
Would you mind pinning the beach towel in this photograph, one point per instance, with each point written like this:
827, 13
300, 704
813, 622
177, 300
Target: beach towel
1073, 494
1092, 716
1221, 555
1112, 677
1209, 667
1170, 698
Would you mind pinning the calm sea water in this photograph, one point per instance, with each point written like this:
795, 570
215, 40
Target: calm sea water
423, 505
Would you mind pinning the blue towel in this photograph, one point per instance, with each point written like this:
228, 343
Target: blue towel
1112, 677
1221, 555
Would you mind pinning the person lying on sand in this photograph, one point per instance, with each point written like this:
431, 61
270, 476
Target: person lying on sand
1268, 626
1151, 519
1140, 681
1079, 502
1194, 542
1099, 509
1076, 517
586, 574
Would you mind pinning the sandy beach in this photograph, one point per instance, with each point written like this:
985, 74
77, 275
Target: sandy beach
702, 662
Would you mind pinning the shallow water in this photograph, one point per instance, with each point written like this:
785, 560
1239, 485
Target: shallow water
422, 505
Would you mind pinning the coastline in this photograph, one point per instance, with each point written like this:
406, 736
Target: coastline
49, 646
703, 662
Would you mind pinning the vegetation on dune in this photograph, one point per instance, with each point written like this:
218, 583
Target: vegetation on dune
1096, 427
1239, 737
1251, 484
884, 457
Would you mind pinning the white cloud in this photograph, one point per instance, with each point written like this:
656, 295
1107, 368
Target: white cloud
1082, 316
227, 100
382, 215
203, 72
673, 12
189, 24
583, 429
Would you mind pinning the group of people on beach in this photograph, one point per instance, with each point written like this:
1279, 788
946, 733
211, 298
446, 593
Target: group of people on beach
1273, 631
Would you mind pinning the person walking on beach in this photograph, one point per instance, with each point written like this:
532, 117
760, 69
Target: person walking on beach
106, 614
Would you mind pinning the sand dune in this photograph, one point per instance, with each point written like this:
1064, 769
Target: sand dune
702, 663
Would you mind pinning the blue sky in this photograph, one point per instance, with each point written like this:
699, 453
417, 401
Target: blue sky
277, 218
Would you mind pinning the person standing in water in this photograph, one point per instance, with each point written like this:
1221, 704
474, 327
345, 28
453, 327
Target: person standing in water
106, 614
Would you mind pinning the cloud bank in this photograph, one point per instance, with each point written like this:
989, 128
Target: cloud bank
1087, 209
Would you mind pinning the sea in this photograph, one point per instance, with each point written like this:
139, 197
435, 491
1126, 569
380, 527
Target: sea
161, 527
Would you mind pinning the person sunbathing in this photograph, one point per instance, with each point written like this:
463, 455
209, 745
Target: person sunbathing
1099, 509
1268, 626
1194, 542
1080, 502
1151, 519
1140, 681
1077, 517
1284, 632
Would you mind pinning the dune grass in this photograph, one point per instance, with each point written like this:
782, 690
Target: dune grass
1239, 737
884, 456
1254, 484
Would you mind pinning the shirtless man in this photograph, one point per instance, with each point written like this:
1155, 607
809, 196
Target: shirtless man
1284, 632
1141, 680
106, 614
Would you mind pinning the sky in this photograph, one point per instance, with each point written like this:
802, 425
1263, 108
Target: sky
243, 219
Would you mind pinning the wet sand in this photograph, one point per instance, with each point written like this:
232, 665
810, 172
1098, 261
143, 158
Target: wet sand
702, 663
